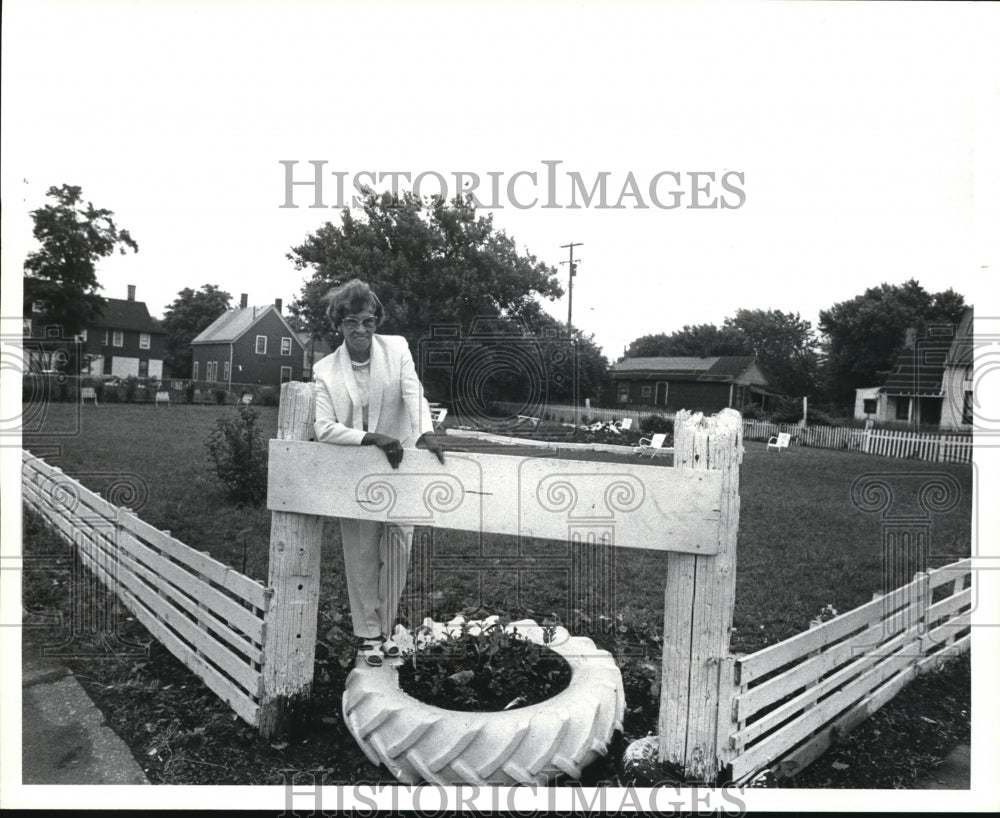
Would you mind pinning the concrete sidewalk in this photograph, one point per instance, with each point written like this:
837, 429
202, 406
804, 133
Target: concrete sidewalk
65, 739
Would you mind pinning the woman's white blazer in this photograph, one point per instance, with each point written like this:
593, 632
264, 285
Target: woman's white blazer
396, 404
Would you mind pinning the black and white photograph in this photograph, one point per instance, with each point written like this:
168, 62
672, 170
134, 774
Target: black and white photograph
507, 407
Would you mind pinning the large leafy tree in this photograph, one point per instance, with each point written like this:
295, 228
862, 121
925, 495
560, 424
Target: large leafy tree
61, 274
864, 335
190, 313
700, 340
438, 267
785, 346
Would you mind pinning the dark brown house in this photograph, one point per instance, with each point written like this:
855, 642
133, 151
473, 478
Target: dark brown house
248, 345
124, 341
696, 384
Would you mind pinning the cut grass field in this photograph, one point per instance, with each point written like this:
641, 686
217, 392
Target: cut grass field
802, 543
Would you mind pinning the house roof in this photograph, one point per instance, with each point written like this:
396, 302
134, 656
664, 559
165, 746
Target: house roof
960, 353
722, 368
918, 370
319, 345
126, 315
233, 323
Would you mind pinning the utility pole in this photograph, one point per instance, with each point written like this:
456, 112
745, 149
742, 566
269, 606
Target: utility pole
569, 321
572, 273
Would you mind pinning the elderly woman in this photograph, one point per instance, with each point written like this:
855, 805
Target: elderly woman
368, 394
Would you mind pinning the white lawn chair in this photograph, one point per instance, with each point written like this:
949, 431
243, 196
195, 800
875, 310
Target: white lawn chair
88, 393
162, 396
438, 414
652, 446
623, 425
779, 442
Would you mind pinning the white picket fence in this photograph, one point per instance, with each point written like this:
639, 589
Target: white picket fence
208, 615
789, 701
939, 448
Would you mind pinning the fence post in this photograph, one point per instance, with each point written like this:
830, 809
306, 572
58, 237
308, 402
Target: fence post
293, 575
698, 608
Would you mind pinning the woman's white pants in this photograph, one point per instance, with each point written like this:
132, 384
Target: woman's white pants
376, 558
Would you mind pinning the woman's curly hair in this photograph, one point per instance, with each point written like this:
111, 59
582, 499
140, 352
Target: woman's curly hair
351, 297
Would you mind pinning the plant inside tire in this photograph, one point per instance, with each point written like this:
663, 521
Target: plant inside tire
536, 743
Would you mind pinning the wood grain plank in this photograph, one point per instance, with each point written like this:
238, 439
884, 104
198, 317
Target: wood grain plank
655, 508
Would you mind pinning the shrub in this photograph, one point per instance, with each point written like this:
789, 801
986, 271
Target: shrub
220, 396
267, 398
189, 392
657, 424
752, 412
131, 386
238, 452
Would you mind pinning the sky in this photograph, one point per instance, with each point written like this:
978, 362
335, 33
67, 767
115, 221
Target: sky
862, 139
858, 139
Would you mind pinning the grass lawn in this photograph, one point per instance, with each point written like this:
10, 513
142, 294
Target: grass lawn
802, 544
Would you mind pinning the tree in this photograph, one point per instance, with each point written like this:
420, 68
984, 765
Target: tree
190, 313
864, 335
785, 346
700, 340
431, 263
61, 274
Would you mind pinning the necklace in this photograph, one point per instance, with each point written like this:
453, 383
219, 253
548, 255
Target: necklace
359, 364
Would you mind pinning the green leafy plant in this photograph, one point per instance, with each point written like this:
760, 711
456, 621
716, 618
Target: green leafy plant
486, 669
657, 424
238, 451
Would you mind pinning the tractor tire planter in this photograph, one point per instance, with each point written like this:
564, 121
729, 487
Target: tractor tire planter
536, 744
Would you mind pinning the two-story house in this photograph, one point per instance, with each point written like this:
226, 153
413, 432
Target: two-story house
248, 345
123, 340
930, 382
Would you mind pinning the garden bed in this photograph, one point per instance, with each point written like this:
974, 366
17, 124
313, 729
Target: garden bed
181, 733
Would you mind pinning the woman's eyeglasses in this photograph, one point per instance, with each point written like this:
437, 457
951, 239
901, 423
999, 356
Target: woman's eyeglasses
354, 323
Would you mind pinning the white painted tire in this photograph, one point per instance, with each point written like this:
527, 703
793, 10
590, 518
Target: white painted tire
535, 744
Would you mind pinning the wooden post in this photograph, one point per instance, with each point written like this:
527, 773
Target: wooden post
293, 576
698, 607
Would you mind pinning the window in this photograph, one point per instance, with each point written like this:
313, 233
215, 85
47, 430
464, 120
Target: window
286, 374
225, 371
871, 406
143, 369
261, 348
623, 393
194, 371
902, 408
143, 340
967, 408
661, 393
105, 341
647, 391
82, 336
117, 338
286, 346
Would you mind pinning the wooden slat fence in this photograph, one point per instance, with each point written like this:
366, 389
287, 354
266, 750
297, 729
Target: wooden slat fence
789, 701
208, 615
940, 448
